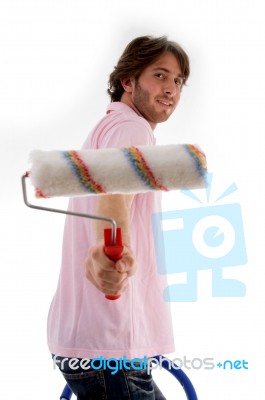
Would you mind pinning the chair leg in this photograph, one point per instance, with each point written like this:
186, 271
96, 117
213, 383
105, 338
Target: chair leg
180, 376
66, 393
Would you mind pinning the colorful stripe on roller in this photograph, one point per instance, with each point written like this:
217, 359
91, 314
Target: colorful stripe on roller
39, 194
82, 172
198, 156
142, 169
117, 170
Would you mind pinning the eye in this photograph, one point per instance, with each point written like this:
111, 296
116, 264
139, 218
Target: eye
160, 76
179, 82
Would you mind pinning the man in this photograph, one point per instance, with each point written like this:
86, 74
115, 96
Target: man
145, 89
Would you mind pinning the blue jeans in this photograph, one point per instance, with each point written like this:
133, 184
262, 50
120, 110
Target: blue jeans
101, 384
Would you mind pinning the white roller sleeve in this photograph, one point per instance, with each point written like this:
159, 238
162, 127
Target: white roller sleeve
124, 170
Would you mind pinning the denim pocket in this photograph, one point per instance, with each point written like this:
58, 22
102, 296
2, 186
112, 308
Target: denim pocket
87, 385
140, 385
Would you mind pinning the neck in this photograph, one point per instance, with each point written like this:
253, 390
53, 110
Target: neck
127, 99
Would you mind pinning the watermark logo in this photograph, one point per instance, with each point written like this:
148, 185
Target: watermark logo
146, 363
112, 364
233, 364
197, 363
206, 237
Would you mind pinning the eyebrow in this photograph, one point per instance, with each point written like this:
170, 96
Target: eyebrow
166, 70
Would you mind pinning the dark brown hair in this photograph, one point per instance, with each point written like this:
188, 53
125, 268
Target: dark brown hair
139, 54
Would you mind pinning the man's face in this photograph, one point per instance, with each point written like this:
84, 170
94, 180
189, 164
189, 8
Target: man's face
156, 93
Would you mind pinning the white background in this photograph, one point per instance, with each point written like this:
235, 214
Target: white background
55, 59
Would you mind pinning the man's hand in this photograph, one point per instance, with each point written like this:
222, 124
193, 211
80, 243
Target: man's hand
108, 276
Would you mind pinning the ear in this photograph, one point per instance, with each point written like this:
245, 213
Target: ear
128, 84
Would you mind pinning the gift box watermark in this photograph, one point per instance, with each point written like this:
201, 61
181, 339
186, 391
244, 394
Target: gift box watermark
201, 238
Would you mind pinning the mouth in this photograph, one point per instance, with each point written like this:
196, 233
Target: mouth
165, 104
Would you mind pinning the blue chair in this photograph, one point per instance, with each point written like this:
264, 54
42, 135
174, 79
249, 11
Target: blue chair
66, 393
176, 372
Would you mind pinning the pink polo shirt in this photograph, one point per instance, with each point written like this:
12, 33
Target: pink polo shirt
81, 322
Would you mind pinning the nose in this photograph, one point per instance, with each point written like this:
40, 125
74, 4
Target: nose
170, 88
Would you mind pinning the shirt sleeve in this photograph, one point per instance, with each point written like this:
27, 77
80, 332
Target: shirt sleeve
127, 134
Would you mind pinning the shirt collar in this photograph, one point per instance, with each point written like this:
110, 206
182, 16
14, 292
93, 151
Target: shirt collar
119, 106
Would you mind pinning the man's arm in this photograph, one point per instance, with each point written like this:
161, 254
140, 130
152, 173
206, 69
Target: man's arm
108, 276
117, 207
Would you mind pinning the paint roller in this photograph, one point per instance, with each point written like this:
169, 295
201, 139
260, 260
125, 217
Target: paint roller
125, 170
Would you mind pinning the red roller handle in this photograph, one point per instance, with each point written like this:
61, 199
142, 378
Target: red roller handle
113, 252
